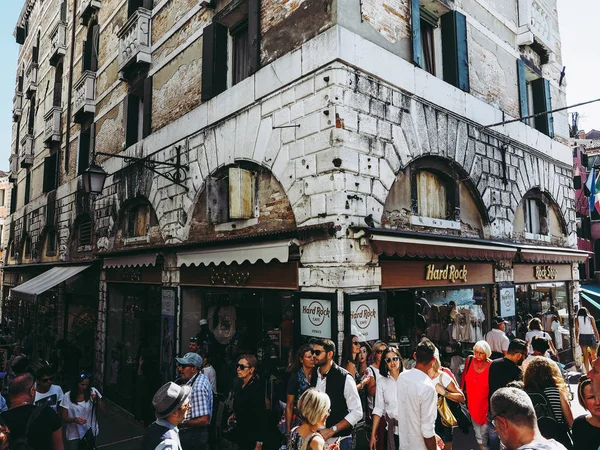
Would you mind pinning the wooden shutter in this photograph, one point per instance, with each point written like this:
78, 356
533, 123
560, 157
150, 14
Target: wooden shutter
214, 60
63, 11
148, 4
147, 107
20, 83
455, 51
50, 173
95, 48
132, 111
253, 35
35, 54
417, 45
27, 186
523, 100
20, 35
84, 151
13, 199
86, 60
542, 101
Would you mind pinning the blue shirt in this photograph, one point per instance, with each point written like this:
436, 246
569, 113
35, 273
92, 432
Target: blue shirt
201, 398
170, 438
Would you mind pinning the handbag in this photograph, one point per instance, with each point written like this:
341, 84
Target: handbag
88, 441
448, 419
460, 410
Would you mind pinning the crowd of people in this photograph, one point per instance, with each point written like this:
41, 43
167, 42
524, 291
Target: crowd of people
511, 393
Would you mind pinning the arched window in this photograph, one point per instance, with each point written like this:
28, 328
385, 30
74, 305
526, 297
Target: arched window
535, 213
90, 47
138, 218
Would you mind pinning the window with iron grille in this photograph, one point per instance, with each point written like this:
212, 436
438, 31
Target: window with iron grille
27, 248
85, 232
51, 242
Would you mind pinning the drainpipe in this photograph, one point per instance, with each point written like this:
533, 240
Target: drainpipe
69, 96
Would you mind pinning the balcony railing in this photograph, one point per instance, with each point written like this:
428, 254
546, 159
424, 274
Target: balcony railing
134, 41
536, 24
26, 155
14, 167
52, 125
84, 102
87, 8
31, 78
58, 43
17, 105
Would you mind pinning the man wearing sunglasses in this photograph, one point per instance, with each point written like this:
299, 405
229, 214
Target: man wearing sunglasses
45, 392
514, 417
338, 384
194, 428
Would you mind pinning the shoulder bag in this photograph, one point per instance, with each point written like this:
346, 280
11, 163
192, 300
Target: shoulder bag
88, 441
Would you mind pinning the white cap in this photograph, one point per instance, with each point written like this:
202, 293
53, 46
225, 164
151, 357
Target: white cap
203, 322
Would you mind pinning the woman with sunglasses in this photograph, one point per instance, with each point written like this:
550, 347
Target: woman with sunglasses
586, 428
350, 351
249, 409
379, 348
299, 382
386, 400
79, 411
313, 407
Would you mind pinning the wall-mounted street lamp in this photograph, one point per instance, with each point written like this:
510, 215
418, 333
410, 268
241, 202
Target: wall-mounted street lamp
95, 176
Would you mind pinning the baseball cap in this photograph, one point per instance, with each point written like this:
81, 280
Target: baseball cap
498, 320
203, 322
190, 358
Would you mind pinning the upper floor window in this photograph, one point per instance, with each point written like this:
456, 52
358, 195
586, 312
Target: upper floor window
535, 213
90, 47
84, 232
431, 195
2, 197
239, 30
27, 248
50, 242
535, 97
138, 110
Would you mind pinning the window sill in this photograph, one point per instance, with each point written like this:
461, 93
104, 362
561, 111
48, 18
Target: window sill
434, 223
136, 240
84, 248
537, 237
236, 224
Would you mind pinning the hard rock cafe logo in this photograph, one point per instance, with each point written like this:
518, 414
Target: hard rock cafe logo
544, 272
450, 273
316, 313
363, 315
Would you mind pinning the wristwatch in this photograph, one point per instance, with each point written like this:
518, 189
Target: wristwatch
334, 429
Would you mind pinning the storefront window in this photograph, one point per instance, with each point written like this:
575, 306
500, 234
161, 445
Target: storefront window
241, 321
453, 319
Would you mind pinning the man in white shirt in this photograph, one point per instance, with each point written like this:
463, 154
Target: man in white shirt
338, 384
497, 338
45, 392
417, 399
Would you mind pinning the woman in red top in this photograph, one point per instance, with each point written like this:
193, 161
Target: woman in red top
475, 385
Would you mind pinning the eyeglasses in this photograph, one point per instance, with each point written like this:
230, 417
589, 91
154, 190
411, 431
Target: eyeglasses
185, 366
356, 343
379, 352
83, 376
493, 420
45, 380
193, 339
316, 352
393, 358
242, 367
187, 405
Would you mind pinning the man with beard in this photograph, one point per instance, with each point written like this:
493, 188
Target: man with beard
503, 371
338, 384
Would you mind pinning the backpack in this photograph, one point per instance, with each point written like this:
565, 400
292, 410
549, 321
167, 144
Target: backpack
23, 442
549, 427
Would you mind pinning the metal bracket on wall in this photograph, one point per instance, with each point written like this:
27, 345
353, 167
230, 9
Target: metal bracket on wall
177, 175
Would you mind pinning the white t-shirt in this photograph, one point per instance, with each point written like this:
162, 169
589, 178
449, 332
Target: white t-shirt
51, 398
211, 374
498, 340
80, 409
531, 334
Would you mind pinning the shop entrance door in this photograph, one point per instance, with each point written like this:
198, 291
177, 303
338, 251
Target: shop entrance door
132, 345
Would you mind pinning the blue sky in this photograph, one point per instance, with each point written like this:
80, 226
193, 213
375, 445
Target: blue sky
9, 50
579, 32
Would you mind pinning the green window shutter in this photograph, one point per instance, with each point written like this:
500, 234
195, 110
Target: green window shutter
523, 101
542, 101
416, 33
214, 60
455, 51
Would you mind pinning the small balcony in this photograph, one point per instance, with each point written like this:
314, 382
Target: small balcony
134, 42
58, 43
87, 8
26, 155
84, 103
52, 125
14, 167
31, 78
536, 25
17, 105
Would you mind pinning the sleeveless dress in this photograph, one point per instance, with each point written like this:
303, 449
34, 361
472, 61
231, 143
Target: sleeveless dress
477, 393
295, 441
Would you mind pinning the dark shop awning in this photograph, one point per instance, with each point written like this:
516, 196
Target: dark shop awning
549, 255
47, 280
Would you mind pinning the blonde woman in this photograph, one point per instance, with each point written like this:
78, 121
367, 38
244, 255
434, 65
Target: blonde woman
475, 384
544, 383
313, 409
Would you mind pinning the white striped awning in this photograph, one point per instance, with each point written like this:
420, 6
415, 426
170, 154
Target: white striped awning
47, 280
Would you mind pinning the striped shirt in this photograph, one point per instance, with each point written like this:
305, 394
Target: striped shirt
553, 396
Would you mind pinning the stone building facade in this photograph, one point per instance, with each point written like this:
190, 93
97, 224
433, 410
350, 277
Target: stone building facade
333, 142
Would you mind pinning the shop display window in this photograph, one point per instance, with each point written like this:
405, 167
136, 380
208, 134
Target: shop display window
454, 319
